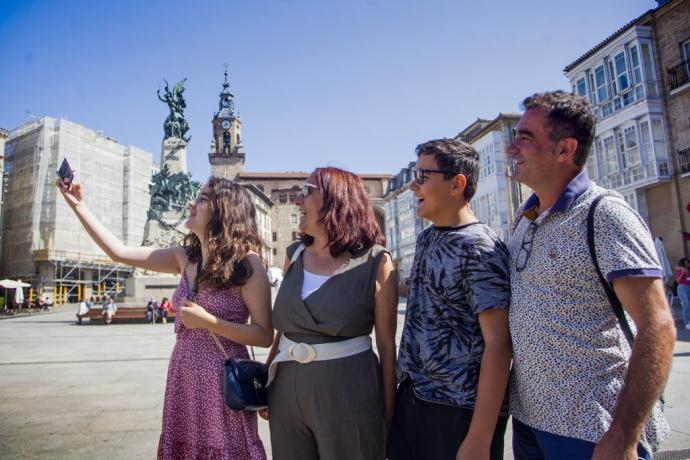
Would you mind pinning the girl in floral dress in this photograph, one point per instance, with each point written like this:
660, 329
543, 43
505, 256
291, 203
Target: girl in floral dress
230, 298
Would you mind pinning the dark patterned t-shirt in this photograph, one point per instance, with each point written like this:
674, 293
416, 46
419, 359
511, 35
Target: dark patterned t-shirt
457, 273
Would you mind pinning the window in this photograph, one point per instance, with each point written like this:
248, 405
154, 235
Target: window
659, 140
621, 148
486, 159
293, 218
628, 98
621, 72
648, 70
294, 236
592, 170
283, 198
275, 252
631, 150
647, 152
293, 196
581, 87
275, 236
635, 63
606, 109
600, 81
610, 159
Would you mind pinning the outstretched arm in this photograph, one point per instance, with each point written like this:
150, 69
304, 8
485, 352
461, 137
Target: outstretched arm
385, 323
650, 364
167, 260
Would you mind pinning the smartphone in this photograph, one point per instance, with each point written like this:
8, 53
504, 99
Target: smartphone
65, 174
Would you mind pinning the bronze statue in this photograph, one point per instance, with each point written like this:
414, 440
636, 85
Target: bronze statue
170, 192
175, 125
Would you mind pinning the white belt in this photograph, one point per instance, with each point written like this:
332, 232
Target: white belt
304, 353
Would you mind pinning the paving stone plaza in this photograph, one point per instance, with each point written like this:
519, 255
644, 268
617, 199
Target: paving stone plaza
91, 391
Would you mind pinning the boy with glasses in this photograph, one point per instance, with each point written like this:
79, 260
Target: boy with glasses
454, 357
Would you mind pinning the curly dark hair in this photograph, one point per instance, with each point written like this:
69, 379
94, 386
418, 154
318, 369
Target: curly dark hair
569, 115
231, 234
454, 155
346, 213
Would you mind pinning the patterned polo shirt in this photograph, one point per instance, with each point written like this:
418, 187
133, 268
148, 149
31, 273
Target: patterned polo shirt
457, 273
569, 354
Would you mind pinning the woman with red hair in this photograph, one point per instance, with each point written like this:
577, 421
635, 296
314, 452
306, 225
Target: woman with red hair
330, 397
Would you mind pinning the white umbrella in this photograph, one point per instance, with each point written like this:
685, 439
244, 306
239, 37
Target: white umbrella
12, 284
19, 295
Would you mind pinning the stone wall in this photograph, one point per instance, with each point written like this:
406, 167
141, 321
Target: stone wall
667, 204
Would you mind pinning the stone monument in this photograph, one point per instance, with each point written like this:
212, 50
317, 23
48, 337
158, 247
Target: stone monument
171, 189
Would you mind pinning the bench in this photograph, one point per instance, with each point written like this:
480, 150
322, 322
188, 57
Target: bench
123, 315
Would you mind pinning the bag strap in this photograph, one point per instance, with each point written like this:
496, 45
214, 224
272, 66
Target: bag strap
195, 290
613, 299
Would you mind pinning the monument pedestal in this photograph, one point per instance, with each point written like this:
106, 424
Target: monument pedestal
174, 155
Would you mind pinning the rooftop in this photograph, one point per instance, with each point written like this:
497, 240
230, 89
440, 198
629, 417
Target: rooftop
601, 44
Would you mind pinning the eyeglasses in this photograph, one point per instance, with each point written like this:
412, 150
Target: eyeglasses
526, 247
420, 173
306, 187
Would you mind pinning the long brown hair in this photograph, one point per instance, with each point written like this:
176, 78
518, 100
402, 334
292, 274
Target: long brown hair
346, 213
231, 234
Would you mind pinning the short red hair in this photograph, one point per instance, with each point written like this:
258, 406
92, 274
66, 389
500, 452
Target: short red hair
346, 214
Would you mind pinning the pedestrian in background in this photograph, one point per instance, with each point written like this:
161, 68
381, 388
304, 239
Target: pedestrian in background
165, 309
683, 290
84, 308
109, 310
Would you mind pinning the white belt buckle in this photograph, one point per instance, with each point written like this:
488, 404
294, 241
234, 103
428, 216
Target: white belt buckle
303, 353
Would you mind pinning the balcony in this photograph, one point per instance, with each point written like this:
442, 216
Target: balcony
678, 76
639, 175
684, 160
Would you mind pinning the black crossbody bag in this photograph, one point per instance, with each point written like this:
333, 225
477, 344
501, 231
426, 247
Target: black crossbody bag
244, 380
613, 298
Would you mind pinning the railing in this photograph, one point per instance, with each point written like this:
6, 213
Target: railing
677, 76
658, 169
684, 160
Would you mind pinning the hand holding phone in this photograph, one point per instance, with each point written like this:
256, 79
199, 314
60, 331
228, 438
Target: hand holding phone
65, 174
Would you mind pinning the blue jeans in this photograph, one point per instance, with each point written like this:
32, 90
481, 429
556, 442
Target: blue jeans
684, 296
532, 444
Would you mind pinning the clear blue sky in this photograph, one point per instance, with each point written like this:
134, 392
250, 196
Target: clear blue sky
356, 84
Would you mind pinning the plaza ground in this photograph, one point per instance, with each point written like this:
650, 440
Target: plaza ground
84, 392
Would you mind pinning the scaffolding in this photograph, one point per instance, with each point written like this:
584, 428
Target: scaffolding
76, 275
42, 240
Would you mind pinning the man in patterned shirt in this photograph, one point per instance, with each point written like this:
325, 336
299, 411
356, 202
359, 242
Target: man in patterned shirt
454, 357
578, 391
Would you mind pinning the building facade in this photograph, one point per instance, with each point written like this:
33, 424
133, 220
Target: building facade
402, 223
281, 189
671, 32
498, 196
3, 136
626, 80
42, 240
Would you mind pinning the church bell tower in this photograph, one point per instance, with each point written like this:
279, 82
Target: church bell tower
227, 153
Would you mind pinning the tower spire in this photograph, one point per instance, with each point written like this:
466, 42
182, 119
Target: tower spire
226, 105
